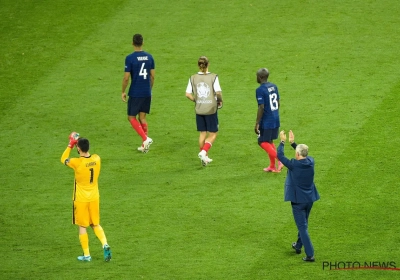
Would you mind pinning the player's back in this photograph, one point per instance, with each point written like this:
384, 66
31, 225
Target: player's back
139, 64
268, 92
87, 171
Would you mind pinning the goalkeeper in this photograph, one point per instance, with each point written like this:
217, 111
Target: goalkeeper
86, 194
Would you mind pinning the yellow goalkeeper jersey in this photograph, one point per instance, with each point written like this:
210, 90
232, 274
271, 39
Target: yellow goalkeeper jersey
87, 171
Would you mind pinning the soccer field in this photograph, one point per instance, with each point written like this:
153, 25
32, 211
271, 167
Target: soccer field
165, 216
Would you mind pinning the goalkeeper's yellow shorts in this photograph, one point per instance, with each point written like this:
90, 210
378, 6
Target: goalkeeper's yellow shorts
86, 213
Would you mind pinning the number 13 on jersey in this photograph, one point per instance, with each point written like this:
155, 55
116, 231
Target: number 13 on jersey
273, 101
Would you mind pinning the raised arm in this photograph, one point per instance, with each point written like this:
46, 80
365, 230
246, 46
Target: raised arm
291, 140
73, 139
281, 154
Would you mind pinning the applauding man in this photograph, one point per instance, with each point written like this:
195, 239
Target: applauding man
86, 194
300, 190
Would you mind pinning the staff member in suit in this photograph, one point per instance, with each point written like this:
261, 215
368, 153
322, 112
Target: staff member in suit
300, 190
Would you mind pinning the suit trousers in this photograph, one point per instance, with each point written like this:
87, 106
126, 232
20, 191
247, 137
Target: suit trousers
301, 212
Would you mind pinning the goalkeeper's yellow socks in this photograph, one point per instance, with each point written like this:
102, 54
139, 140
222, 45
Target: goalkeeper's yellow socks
84, 239
98, 230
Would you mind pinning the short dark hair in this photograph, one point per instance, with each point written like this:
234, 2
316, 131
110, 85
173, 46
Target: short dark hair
137, 40
262, 75
83, 144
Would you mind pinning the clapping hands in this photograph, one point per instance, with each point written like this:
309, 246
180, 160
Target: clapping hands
282, 136
291, 137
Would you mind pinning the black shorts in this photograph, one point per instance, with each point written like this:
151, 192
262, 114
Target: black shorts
268, 135
207, 122
138, 105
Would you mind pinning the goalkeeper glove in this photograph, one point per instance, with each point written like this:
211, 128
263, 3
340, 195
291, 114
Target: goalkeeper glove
73, 139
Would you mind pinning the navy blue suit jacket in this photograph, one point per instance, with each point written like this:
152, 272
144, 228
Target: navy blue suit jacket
299, 184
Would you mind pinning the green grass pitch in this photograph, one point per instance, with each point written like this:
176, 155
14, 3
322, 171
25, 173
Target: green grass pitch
166, 217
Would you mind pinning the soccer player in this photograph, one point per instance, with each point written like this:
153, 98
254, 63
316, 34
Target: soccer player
86, 194
267, 122
204, 89
300, 190
140, 69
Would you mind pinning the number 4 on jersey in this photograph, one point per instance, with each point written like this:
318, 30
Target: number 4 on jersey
143, 72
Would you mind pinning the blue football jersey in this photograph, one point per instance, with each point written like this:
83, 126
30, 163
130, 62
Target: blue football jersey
139, 65
268, 95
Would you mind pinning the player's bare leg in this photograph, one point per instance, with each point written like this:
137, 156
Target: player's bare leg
202, 139
208, 141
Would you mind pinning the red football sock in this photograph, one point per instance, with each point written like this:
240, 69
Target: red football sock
138, 128
269, 148
145, 128
207, 146
276, 154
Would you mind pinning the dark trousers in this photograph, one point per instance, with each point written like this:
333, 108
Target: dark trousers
301, 211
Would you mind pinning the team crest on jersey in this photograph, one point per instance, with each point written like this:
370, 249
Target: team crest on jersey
203, 90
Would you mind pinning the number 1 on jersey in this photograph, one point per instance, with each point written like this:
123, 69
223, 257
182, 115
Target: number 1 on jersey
91, 175
143, 72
